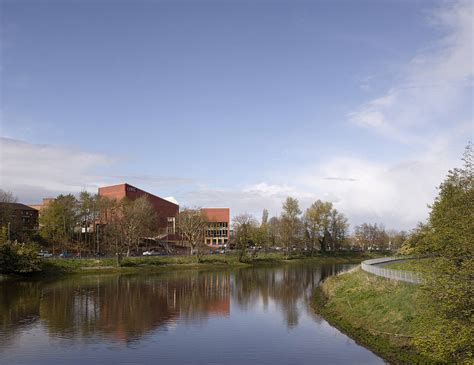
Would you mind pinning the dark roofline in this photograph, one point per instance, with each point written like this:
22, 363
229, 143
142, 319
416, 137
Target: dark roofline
19, 206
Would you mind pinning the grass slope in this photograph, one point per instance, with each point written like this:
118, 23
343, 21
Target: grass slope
378, 313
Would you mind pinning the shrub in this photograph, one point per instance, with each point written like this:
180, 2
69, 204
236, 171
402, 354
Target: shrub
19, 258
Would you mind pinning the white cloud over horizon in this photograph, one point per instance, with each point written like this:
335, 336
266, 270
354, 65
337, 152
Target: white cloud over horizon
427, 111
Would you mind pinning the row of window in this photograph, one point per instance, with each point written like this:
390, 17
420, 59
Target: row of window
214, 225
221, 233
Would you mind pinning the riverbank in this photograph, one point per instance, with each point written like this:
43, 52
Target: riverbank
57, 267
383, 315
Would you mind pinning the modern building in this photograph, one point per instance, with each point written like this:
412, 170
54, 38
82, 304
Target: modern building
166, 210
218, 226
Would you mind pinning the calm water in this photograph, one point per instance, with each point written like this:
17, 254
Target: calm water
248, 316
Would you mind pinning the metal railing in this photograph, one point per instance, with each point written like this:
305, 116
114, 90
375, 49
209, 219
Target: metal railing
374, 267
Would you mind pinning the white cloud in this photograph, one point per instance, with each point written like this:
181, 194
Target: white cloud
32, 171
434, 88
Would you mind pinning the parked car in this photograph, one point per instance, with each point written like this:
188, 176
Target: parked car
45, 254
149, 253
65, 255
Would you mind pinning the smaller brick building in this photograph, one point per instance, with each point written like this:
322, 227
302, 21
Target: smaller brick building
218, 226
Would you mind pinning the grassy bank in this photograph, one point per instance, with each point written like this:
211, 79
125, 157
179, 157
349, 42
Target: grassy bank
57, 266
416, 265
381, 314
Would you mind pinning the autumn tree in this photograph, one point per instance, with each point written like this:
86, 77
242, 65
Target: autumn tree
191, 225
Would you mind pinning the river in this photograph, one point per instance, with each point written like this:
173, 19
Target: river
244, 316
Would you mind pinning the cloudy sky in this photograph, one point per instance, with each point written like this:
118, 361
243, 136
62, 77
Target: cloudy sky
238, 103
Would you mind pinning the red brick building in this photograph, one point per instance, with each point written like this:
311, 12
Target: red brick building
165, 210
21, 218
218, 226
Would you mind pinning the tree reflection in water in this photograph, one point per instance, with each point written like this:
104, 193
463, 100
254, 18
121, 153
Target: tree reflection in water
128, 307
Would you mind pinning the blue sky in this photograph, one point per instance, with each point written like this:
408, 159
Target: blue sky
238, 103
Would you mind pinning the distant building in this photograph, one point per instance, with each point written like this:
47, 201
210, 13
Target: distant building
218, 226
166, 210
21, 217
44, 204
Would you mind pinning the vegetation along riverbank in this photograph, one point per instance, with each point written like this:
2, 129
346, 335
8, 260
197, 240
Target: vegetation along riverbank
56, 266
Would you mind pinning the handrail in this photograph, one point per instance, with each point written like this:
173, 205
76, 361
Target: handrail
370, 266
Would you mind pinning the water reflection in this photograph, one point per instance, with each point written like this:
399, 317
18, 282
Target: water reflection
125, 307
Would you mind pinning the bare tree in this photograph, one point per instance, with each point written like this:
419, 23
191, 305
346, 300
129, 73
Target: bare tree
371, 236
191, 225
129, 222
244, 226
338, 229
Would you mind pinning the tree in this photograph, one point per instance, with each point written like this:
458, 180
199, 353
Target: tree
6, 211
58, 221
191, 225
274, 232
338, 229
449, 236
244, 226
371, 236
263, 234
138, 220
396, 239
290, 223
89, 208
317, 219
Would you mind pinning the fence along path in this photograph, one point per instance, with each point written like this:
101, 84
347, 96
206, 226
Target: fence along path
373, 267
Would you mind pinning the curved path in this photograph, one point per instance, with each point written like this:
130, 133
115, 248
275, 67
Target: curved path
374, 267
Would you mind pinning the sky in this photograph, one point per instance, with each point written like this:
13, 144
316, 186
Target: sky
238, 104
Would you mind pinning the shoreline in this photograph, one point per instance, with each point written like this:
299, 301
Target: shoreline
395, 348
134, 265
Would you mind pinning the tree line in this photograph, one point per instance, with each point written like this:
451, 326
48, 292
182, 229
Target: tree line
321, 228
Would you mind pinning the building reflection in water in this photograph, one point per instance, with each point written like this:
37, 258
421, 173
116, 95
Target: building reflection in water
128, 307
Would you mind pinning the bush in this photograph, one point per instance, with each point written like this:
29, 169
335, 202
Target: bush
19, 258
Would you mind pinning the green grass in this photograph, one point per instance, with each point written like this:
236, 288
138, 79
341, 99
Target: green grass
378, 313
56, 266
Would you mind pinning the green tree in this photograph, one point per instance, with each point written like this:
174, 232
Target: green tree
317, 220
291, 223
263, 231
58, 221
89, 208
449, 236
